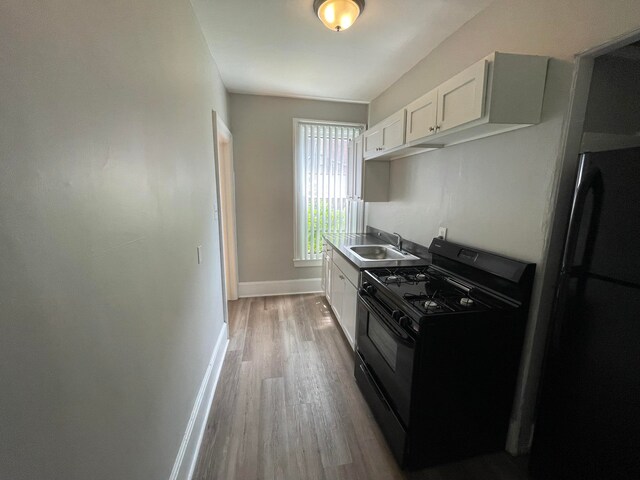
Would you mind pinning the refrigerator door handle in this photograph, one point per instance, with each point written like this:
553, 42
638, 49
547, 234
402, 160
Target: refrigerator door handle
586, 181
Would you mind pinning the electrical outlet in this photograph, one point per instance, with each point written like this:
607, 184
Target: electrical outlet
442, 233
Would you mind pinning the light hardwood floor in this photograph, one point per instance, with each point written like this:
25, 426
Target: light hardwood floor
287, 406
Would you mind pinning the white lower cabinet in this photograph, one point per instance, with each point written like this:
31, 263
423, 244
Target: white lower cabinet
326, 271
342, 294
337, 291
349, 309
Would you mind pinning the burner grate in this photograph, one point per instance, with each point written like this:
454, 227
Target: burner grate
428, 290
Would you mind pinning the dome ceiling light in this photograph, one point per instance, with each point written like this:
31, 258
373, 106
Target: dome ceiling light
338, 15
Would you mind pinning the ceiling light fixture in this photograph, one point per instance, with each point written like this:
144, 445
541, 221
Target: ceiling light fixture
338, 15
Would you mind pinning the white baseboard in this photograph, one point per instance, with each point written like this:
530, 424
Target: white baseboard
187, 457
279, 287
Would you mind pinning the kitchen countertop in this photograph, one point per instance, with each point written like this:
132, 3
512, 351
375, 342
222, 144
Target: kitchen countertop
340, 242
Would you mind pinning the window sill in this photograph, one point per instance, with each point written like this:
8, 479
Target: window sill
307, 263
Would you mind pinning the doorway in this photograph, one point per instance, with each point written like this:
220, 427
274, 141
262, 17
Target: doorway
602, 117
225, 188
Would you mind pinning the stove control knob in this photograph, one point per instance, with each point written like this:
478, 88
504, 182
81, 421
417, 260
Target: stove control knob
396, 315
405, 322
367, 289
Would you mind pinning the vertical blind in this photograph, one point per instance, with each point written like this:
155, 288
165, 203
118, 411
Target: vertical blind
324, 185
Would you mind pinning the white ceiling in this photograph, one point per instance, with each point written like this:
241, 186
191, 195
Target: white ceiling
279, 47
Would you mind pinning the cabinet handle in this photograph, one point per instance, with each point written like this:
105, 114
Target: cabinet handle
341, 277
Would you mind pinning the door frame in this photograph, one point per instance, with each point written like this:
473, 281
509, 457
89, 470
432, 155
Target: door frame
519, 440
226, 207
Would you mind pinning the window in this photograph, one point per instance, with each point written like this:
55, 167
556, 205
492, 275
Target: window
324, 182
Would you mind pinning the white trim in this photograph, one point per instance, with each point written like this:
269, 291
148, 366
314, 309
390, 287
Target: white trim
270, 93
307, 263
279, 287
225, 208
187, 457
310, 121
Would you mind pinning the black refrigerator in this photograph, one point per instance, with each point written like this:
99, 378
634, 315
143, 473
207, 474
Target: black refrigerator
588, 423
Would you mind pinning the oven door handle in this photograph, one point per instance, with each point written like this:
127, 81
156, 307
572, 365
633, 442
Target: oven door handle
398, 335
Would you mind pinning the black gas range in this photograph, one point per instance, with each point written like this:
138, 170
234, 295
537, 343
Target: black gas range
438, 350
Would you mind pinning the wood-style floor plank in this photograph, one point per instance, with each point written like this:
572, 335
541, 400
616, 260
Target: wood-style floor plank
218, 435
304, 449
273, 440
287, 405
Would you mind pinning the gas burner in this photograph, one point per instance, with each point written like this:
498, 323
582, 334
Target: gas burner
428, 290
430, 305
466, 302
395, 279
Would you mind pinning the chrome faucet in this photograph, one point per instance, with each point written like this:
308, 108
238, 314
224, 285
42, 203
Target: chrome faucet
398, 242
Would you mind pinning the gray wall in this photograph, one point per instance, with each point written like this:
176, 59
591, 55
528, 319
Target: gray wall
107, 323
498, 193
262, 130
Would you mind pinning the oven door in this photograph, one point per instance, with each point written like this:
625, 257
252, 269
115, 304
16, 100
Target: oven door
388, 352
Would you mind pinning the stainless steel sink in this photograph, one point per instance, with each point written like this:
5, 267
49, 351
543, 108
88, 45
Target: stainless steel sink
379, 253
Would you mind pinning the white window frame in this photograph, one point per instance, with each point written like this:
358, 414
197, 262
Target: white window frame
297, 260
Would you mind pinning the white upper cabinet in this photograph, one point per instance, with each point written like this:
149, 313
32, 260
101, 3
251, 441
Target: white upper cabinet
386, 135
457, 101
421, 116
370, 181
499, 93
393, 130
373, 140
461, 98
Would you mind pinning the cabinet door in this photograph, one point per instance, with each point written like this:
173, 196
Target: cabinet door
324, 269
421, 116
393, 130
327, 274
349, 308
358, 160
373, 141
337, 291
461, 99
323, 282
